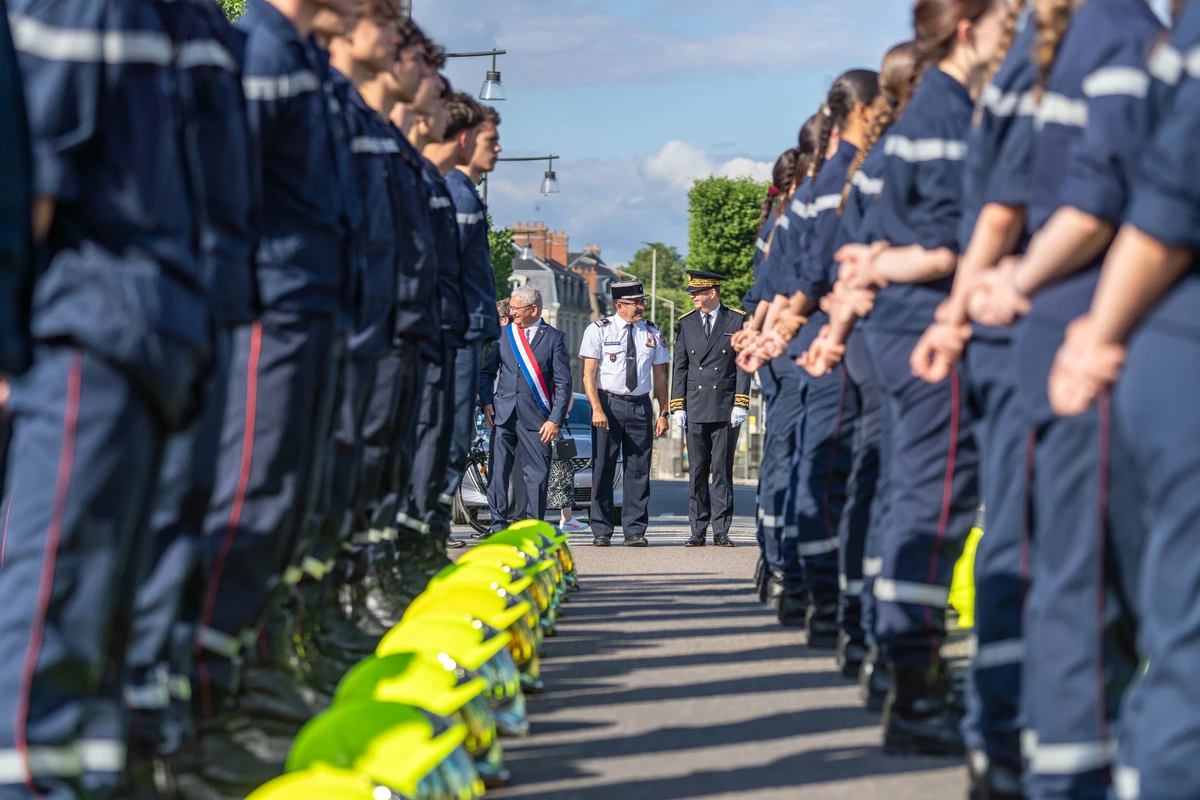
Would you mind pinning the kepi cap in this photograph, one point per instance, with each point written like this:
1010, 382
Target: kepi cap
627, 290
699, 281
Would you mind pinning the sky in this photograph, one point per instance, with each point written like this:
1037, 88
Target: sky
641, 97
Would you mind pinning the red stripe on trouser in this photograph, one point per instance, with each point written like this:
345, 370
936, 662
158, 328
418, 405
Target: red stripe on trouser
1101, 537
837, 434
235, 514
947, 494
62, 484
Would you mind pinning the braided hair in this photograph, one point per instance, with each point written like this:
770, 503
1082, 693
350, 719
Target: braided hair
783, 176
1052, 18
898, 78
850, 89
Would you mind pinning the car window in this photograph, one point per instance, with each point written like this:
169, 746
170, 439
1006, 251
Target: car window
579, 420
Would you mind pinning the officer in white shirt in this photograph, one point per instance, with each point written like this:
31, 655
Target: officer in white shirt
624, 357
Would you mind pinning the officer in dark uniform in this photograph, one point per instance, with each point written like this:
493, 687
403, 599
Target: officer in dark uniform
624, 357
710, 398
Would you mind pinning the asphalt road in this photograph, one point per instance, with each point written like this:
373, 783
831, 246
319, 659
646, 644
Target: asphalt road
668, 680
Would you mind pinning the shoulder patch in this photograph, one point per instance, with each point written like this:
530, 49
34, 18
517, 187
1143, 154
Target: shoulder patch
602, 322
736, 311
688, 314
651, 326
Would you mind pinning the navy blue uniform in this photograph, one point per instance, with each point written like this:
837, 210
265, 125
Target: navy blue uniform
750, 301
998, 171
781, 389
1160, 752
122, 335
864, 510
423, 510
933, 483
283, 368
1093, 123
210, 53
821, 454
483, 325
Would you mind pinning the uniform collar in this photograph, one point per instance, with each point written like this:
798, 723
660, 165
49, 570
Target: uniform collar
714, 312
261, 13
622, 324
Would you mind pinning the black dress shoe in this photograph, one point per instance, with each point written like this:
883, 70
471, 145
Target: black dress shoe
850, 655
601, 541
917, 720
637, 540
455, 544
820, 622
696, 540
793, 608
722, 540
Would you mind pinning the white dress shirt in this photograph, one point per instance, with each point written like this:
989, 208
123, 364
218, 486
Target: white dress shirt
605, 342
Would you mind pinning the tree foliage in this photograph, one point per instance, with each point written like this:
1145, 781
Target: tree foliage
232, 8
500, 244
671, 282
722, 230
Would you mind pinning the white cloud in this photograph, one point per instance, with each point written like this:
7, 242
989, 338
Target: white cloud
617, 203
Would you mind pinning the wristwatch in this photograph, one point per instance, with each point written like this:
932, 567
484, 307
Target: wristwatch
665, 414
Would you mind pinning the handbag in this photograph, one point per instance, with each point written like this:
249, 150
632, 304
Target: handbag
563, 448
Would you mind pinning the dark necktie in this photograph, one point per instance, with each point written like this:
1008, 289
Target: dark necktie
631, 377
707, 325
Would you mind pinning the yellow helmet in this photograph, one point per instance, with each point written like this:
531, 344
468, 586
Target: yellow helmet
321, 783
439, 685
565, 556
494, 606
395, 745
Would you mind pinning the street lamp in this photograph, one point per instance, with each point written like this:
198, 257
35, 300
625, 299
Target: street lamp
654, 283
492, 89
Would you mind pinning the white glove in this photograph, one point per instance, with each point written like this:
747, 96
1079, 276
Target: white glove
681, 420
738, 416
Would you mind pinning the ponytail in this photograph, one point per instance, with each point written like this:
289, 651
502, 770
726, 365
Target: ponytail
852, 88
1053, 18
818, 157
783, 176
1015, 9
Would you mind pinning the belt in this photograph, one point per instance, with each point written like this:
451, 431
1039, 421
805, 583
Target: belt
629, 397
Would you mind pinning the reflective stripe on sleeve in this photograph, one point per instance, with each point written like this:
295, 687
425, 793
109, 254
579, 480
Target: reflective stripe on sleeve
279, 87
921, 594
81, 45
917, 150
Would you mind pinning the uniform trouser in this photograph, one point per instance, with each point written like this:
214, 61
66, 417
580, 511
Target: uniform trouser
1160, 742
159, 657
83, 464
935, 497
277, 411
423, 511
857, 514
782, 414
378, 429
344, 468
872, 562
630, 433
711, 450
507, 438
408, 369
992, 724
466, 390
817, 489
1079, 623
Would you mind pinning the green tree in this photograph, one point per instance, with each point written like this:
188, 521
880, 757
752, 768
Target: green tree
722, 229
232, 8
500, 244
671, 282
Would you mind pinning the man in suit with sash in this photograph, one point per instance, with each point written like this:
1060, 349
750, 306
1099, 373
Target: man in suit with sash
710, 398
527, 406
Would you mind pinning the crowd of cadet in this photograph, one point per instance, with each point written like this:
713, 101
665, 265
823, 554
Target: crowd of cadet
244, 290
976, 287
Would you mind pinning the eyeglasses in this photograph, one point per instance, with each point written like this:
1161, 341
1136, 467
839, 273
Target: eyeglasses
631, 302
519, 308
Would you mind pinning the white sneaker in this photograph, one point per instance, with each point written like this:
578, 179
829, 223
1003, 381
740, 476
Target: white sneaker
574, 526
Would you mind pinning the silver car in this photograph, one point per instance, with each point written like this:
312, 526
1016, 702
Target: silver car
470, 502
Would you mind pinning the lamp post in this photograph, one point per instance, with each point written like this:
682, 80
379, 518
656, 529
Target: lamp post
654, 282
671, 303
549, 182
492, 89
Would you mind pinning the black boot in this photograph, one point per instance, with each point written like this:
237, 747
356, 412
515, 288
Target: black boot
760, 579
774, 590
793, 608
873, 682
219, 762
917, 719
820, 621
993, 780
850, 654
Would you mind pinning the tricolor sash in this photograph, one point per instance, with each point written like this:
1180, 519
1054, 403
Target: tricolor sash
529, 366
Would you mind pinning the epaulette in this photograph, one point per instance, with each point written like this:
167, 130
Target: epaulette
651, 326
734, 310
688, 314
602, 322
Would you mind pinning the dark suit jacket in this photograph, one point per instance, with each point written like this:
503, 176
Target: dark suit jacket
705, 380
512, 395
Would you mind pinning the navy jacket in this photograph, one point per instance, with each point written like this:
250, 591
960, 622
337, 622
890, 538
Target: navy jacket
1094, 122
304, 257
451, 278
921, 198
753, 295
479, 282
16, 245
213, 54
418, 316
112, 128
371, 151
1166, 199
512, 395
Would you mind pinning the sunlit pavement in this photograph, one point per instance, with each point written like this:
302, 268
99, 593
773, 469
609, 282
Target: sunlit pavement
669, 680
